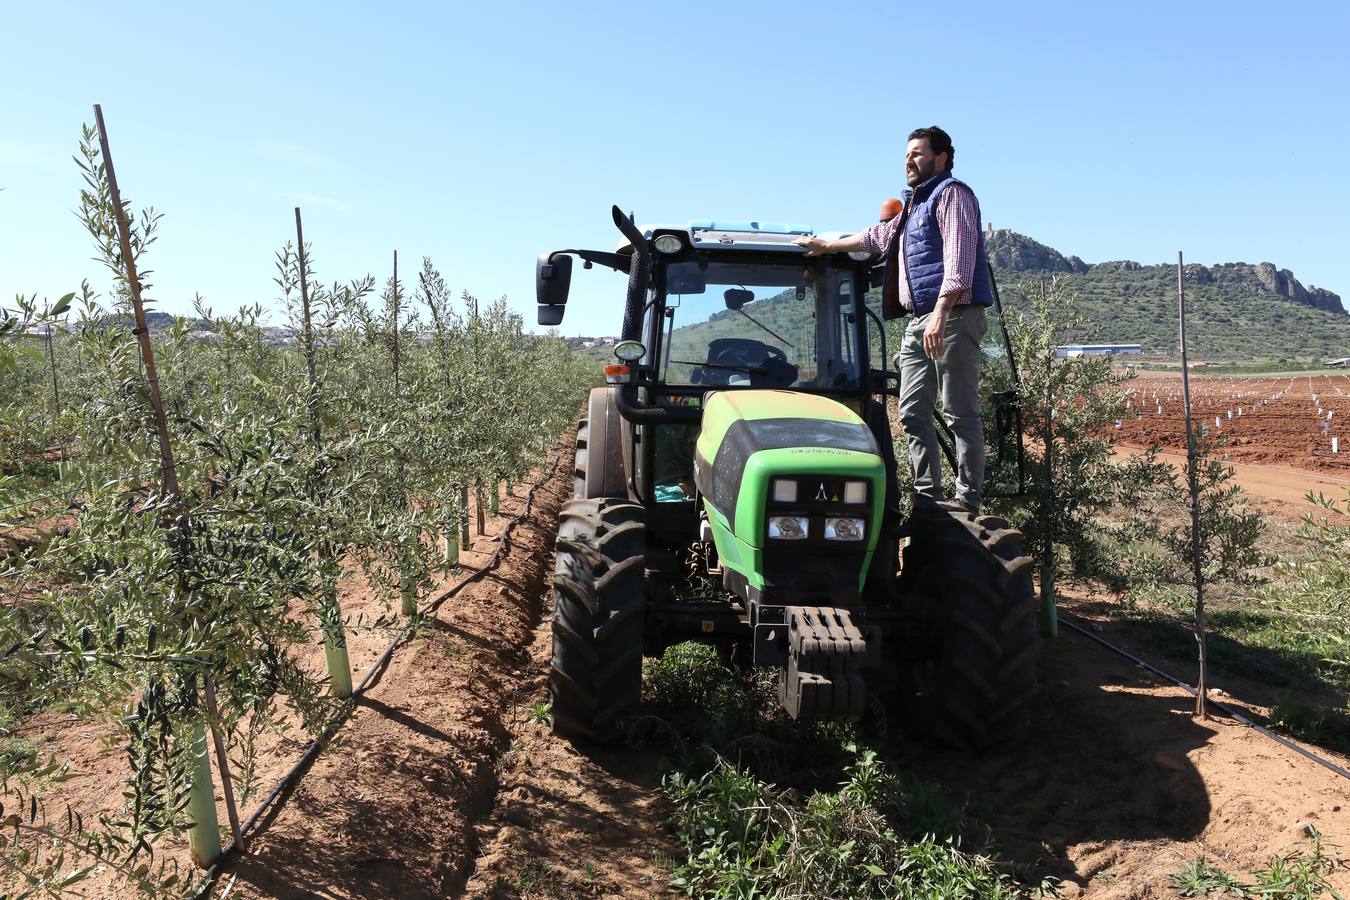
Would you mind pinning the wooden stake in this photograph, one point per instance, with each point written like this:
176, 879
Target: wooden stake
223, 763
465, 540
393, 302
334, 644
478, 506
56, 391
313, 400
168, 474
1049, 602
1192, 484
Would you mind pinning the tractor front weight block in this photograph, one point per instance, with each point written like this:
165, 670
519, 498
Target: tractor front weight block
823, 679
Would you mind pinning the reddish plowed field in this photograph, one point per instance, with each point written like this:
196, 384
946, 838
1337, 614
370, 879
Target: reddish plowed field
1287, 421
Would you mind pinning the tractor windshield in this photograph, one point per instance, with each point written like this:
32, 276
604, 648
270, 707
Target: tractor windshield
774, 325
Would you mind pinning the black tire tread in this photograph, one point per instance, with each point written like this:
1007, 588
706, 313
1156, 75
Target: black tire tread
596, 672
975, 572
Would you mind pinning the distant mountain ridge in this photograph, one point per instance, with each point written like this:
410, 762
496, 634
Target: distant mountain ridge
1239, 312
1018, 253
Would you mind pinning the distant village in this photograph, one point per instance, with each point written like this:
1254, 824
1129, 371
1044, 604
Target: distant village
159, 322
590, 343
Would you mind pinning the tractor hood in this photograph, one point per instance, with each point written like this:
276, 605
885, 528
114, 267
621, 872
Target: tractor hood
763, 454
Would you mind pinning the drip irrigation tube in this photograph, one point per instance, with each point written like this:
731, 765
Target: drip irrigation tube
1228, 711
273, 802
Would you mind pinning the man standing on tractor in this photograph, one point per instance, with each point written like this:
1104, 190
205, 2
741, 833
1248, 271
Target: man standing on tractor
935, 269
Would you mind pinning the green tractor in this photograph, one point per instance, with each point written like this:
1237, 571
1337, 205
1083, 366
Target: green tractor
743, 444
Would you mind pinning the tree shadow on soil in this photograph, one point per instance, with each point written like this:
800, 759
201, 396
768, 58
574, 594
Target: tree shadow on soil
1310, 706
1105, 760
575, 819
1265, 674
392, 817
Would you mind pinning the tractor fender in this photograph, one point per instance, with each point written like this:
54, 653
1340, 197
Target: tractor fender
605, 473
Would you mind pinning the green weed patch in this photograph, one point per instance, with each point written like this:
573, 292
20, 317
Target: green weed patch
1301, 875
766, 807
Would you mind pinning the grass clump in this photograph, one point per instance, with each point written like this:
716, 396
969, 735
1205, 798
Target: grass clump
746, 838
768, 807
1198, 878
1296, 876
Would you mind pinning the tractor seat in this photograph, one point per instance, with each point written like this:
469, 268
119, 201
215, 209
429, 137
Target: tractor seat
772, 369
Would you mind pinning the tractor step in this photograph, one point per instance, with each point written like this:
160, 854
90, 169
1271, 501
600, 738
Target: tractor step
823, 680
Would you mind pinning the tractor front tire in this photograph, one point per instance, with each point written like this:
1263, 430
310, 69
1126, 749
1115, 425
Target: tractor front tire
596, 672
580, 458
975, 581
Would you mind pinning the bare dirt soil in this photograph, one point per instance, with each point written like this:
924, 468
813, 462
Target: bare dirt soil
387, 810
392, 811
1276, 491
444, 783
1120, 784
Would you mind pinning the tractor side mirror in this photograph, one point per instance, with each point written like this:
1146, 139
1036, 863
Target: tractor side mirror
737, 297
552, 278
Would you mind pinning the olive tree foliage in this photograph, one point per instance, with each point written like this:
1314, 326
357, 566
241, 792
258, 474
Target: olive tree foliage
296, 470
1088, 514
1312, 594
1069, 408
30, 411
1157, 524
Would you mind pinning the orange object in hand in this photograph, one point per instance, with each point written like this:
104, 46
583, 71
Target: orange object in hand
890, 208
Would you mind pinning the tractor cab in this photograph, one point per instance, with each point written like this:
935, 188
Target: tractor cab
743, 435
729, 306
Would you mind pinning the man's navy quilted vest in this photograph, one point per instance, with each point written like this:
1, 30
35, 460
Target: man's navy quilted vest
922, 252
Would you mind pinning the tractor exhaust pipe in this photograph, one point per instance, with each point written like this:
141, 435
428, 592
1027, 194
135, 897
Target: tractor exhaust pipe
639, 273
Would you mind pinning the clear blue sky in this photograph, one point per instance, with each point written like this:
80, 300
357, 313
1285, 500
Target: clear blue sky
483, 134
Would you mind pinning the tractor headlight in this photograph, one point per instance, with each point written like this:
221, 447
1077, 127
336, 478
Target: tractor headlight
855, 492
788, 528
784, 490
668, 243
843, 529
629, 351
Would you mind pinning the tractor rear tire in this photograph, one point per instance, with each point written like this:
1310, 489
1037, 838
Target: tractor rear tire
975, 580
596, 672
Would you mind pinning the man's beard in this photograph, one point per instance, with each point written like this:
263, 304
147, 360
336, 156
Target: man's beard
919, 176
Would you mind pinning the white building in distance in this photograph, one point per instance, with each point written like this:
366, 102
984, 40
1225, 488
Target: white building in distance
1075, 351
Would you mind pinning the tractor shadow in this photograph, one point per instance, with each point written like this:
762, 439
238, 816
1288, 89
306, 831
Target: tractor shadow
1106, 760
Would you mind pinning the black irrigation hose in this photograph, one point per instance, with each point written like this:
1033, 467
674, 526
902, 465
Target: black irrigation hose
1228, 711
293, 775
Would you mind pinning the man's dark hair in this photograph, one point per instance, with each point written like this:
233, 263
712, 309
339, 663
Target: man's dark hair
939, 140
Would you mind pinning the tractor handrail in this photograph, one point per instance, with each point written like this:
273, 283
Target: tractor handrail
633, 409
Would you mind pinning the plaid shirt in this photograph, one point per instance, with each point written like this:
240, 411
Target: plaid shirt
958, 217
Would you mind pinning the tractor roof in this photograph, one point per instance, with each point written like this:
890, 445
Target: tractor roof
729, 234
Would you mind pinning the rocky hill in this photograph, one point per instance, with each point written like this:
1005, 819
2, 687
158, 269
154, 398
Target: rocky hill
1237, 311
1019, 253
